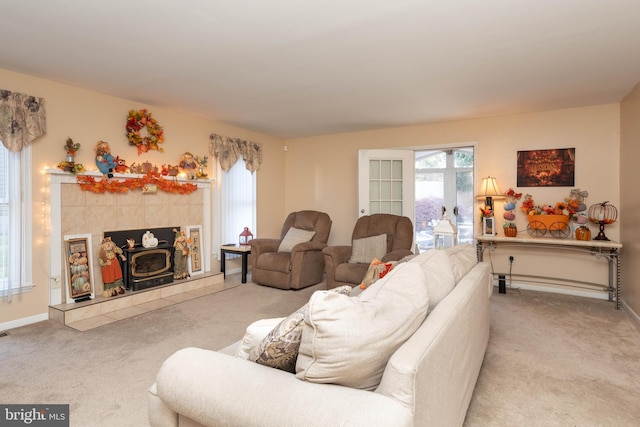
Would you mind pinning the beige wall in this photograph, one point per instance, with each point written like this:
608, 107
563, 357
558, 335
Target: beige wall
322, 171
630, 203
89, 117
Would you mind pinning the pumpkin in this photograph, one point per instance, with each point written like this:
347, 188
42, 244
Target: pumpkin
509, 216
583, 233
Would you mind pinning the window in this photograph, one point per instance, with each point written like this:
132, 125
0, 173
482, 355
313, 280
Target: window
15, 221
236, 207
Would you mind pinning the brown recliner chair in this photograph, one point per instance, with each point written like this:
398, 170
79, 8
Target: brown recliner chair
399, 231
301, 267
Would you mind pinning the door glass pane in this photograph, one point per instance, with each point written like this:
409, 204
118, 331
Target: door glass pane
444, 178
396, 208
385, 169
464, 197
374, 169
385, 186
397, 169
374, 190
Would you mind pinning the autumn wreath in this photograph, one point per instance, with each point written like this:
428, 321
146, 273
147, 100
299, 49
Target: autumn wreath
140, 123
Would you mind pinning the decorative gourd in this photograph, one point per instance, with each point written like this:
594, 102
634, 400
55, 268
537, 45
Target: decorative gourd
509, 216
583, 233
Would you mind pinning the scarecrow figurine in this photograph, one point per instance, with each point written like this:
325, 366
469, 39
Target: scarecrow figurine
182, 248
104, 160
110, 267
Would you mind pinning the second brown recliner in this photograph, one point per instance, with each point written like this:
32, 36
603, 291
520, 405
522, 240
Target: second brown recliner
347, 265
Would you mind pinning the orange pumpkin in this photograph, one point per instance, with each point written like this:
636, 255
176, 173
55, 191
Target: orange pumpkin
583, 233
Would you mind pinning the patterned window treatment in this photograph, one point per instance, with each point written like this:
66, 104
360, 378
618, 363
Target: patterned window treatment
228, 151
22, 119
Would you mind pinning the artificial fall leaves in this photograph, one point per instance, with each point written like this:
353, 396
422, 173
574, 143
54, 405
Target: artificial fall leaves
89, 183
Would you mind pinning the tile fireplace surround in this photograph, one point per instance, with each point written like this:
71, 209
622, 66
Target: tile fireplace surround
77, 212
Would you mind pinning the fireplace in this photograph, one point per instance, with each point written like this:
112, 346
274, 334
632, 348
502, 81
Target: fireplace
143, 267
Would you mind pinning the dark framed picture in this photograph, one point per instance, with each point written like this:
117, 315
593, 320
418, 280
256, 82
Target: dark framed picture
547, 168
77, 251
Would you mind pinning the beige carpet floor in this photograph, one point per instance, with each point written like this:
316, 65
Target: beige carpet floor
553, 360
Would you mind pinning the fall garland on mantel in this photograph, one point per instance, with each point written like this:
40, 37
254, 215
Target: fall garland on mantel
89, 183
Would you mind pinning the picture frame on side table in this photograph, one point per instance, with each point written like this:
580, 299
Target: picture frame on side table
488, 226
195, 264
78, 271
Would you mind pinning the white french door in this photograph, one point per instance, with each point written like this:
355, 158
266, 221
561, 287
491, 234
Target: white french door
385, 182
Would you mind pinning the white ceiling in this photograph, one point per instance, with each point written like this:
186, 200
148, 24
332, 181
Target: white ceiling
293, 68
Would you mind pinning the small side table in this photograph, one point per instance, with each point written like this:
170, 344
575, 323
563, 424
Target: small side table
245, 251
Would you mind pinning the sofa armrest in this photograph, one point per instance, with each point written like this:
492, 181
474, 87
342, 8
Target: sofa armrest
308, 246
217, 389
337, 254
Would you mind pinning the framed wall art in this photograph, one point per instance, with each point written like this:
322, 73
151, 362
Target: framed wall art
78, 271
547, 168
195, 265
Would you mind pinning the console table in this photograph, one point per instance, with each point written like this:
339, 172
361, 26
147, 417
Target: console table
245, 251
596, 248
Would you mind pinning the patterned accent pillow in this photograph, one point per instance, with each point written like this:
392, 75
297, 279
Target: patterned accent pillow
377, 270
365, 249
279, 349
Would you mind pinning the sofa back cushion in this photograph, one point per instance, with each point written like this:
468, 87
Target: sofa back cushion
463, 258
438, 272
348, 340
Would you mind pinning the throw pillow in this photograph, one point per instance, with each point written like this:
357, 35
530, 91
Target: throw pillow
279, 349
377, 270
437, 270
348, 341
254, 334
365, 249
293, 237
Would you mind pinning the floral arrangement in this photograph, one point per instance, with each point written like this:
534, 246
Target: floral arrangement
140, 122
89, 183
568, 207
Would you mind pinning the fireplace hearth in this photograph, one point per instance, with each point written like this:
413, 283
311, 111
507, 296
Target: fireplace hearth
143, 267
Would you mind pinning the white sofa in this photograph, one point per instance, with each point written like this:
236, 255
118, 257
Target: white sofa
427, 381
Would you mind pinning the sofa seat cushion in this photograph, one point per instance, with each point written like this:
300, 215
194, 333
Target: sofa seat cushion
275, 261
438, 272
350, 273
348, 340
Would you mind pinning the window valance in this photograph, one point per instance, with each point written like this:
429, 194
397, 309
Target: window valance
22, 119
228, 151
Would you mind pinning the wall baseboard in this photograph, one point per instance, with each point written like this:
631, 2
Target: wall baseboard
24, 321
556, 290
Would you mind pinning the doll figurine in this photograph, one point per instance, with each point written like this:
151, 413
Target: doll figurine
104, 160
110, 267
182, 248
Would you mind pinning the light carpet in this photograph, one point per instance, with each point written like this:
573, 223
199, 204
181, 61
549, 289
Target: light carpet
553, 360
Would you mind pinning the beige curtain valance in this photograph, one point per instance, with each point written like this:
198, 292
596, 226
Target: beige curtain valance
228, 151
22, 119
